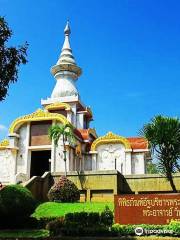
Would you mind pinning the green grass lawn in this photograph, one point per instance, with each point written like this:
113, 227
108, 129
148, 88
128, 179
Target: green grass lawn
52, 209
24, 233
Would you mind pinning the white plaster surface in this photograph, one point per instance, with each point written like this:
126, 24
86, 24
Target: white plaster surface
65, 86
138, 166
6, 169
59, 158
80, 120
107, 154
21, 157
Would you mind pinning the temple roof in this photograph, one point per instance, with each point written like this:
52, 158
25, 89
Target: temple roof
85, 133
138, 142
130, 143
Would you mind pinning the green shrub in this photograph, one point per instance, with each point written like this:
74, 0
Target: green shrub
16, 206
83, 224
64, 191
42, 222
81, 218
77, 218
123, 230
89, 224
69, 217
93, 219
55, 226
107, 217
126, 230
85, 219
175, 227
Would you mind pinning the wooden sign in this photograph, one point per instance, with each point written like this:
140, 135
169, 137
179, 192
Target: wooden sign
146, 208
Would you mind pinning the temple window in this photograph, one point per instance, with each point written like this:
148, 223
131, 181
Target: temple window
39, 133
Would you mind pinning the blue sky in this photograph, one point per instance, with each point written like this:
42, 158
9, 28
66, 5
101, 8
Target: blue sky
128, 50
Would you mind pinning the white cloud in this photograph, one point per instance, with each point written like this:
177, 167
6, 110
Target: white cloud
3, 128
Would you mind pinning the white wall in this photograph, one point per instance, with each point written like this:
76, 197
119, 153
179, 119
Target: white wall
107, 154
59, 158
6, 166
80, 120
138, 166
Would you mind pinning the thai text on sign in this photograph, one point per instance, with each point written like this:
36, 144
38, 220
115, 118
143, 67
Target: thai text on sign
146, 208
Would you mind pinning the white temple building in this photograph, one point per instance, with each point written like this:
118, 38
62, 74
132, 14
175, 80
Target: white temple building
29, 152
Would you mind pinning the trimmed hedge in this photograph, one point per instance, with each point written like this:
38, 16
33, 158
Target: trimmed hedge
64, 191
16, 206
82, 224
90, 224
107, 217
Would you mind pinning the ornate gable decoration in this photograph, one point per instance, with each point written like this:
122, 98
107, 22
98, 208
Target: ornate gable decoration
110, 138
39, 115
58, 105
4, 144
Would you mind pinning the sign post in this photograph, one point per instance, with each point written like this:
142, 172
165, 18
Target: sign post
146, 208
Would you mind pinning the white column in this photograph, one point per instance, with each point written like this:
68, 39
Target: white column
53, 157
53, 153
82, 162
69, 116
74, 115
13, 143
68, 158
127, 167
80, 122
141, 163
94, 161
27, 155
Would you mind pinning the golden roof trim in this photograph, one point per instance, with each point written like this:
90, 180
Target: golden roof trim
58, 105
110, 138
4, 144
39, 115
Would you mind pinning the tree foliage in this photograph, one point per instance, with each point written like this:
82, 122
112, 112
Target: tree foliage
57, 130
10, 59
163, 135
151, 168
66, 132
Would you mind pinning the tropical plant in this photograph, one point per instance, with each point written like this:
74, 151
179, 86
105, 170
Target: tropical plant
10, 59
66, 132
163, 135
64, 191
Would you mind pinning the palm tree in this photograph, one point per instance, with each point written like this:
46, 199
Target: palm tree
163, 135
66, 131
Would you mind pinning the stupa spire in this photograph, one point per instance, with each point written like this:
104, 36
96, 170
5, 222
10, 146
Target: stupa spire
66, 71
66, 61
